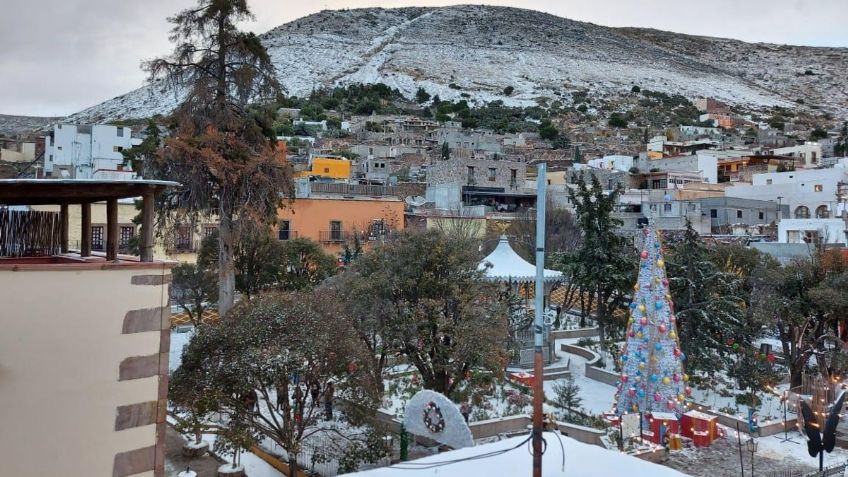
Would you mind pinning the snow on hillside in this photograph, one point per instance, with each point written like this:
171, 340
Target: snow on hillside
479, 50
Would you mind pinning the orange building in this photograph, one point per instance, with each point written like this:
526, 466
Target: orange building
333, 220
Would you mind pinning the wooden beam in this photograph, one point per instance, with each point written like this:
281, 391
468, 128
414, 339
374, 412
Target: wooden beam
85, 224
112, 229
63, 225
147, 227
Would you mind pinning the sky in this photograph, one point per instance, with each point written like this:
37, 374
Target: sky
58, 57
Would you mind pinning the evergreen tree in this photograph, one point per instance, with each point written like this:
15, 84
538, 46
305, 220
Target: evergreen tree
422, 96
446, 152
567, 394
224, 148
138, 155
708, 304
602, 266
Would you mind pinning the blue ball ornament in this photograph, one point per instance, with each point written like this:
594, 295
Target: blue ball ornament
659, 305
633, 306
624, 358
654, 378
658, 347
682, 356
641, 393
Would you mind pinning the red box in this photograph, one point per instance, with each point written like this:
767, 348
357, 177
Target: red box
660, 424
701, 428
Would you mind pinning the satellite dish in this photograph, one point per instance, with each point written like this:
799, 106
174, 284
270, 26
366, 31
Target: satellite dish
432, 415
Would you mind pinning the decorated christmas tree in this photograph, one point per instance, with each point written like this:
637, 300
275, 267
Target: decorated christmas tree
652, 377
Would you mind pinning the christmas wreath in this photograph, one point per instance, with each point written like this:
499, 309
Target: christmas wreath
433, 418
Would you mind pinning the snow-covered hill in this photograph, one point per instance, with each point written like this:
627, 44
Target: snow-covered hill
480, 50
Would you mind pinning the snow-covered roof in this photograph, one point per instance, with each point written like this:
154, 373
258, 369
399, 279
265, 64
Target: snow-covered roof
581, 460
505, 264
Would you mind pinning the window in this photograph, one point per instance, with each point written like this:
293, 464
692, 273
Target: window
59, 147
714, 213
97, 237
127, 233
493, 174
769, 181
284, 232
802, 212
738, 214
666, 207
513, 177
471, 174
209, 230
761, 215
120, 132
818, 187
822, 212
336, 230
326, 170
117, 148
183, 238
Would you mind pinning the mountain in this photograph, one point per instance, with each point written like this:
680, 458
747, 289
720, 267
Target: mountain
11, 125
477, 51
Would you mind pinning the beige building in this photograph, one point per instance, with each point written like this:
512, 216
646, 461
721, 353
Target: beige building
85, 341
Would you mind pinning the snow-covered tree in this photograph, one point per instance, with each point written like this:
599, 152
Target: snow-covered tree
567, 394
434, 307
603, 266
251, 364
707, 302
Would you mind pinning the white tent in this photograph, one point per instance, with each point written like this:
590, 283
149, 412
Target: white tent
503, 264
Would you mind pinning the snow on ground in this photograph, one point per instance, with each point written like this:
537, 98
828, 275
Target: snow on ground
178, 342
512, 458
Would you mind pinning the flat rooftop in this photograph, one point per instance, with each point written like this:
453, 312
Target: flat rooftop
74, 191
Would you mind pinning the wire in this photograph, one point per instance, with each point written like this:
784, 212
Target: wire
431, 465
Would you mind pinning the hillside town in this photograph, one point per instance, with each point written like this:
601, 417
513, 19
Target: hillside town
384, 278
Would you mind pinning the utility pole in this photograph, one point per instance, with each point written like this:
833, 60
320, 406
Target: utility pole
539, 322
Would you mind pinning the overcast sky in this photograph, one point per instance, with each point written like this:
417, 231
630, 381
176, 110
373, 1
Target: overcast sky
60, 56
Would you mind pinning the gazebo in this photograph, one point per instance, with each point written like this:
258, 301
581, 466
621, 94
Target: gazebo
506, 266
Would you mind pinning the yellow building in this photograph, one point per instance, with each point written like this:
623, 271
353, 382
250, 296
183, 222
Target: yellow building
328, 166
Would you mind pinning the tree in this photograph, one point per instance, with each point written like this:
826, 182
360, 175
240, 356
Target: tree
604, 264
446, 152
818, 133
434, 307
508, 91
194, 290
548, 131
223, 149
616, 120
251, 363
137, 155
804, 301
422, 96
707, 302
567, 394
635, 89
304, 264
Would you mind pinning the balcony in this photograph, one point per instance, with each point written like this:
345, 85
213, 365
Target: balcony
334, 236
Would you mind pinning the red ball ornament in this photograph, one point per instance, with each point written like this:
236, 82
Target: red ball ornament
631, 333
676, 352
657, 397
643, 321
352, 367
688, 391
670, 404
624, 378
644, 254
665, 281
662, 328
631, 392
676, 377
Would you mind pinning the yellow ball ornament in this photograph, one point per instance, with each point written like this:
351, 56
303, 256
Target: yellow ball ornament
660, 263
685, 377
641, 365
642, 308
680, 397
666, 380
672, 334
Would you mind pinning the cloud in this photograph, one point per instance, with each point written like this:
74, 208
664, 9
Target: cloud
60, 56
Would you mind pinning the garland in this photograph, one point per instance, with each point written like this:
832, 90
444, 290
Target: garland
433, 418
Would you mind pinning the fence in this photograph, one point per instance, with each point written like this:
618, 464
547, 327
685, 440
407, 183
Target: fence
830, 471
29, 233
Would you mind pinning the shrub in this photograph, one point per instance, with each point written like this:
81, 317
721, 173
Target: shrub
635, 89
508, 91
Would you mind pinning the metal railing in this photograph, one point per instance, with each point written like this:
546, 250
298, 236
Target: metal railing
353, 189
286, 235
334, 236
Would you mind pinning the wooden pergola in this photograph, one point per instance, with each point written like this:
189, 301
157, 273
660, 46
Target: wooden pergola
85, 192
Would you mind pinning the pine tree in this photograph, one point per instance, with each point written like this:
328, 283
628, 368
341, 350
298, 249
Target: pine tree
446, 152
223, 150
708, 305
652, 377
422, 96
567, 394
602, 266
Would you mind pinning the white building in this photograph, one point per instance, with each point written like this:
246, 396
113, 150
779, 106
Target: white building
88, 152
613, 162
810, 153
830, 231
809, 193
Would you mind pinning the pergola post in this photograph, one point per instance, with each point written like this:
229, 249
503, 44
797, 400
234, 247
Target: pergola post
63, 227
112, 229
146, 251
85, 223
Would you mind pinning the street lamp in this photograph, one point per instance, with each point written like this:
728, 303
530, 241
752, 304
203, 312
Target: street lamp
752, 448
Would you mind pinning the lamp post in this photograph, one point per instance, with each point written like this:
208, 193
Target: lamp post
752, 448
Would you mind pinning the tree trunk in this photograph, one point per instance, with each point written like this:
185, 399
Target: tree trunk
226, 268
